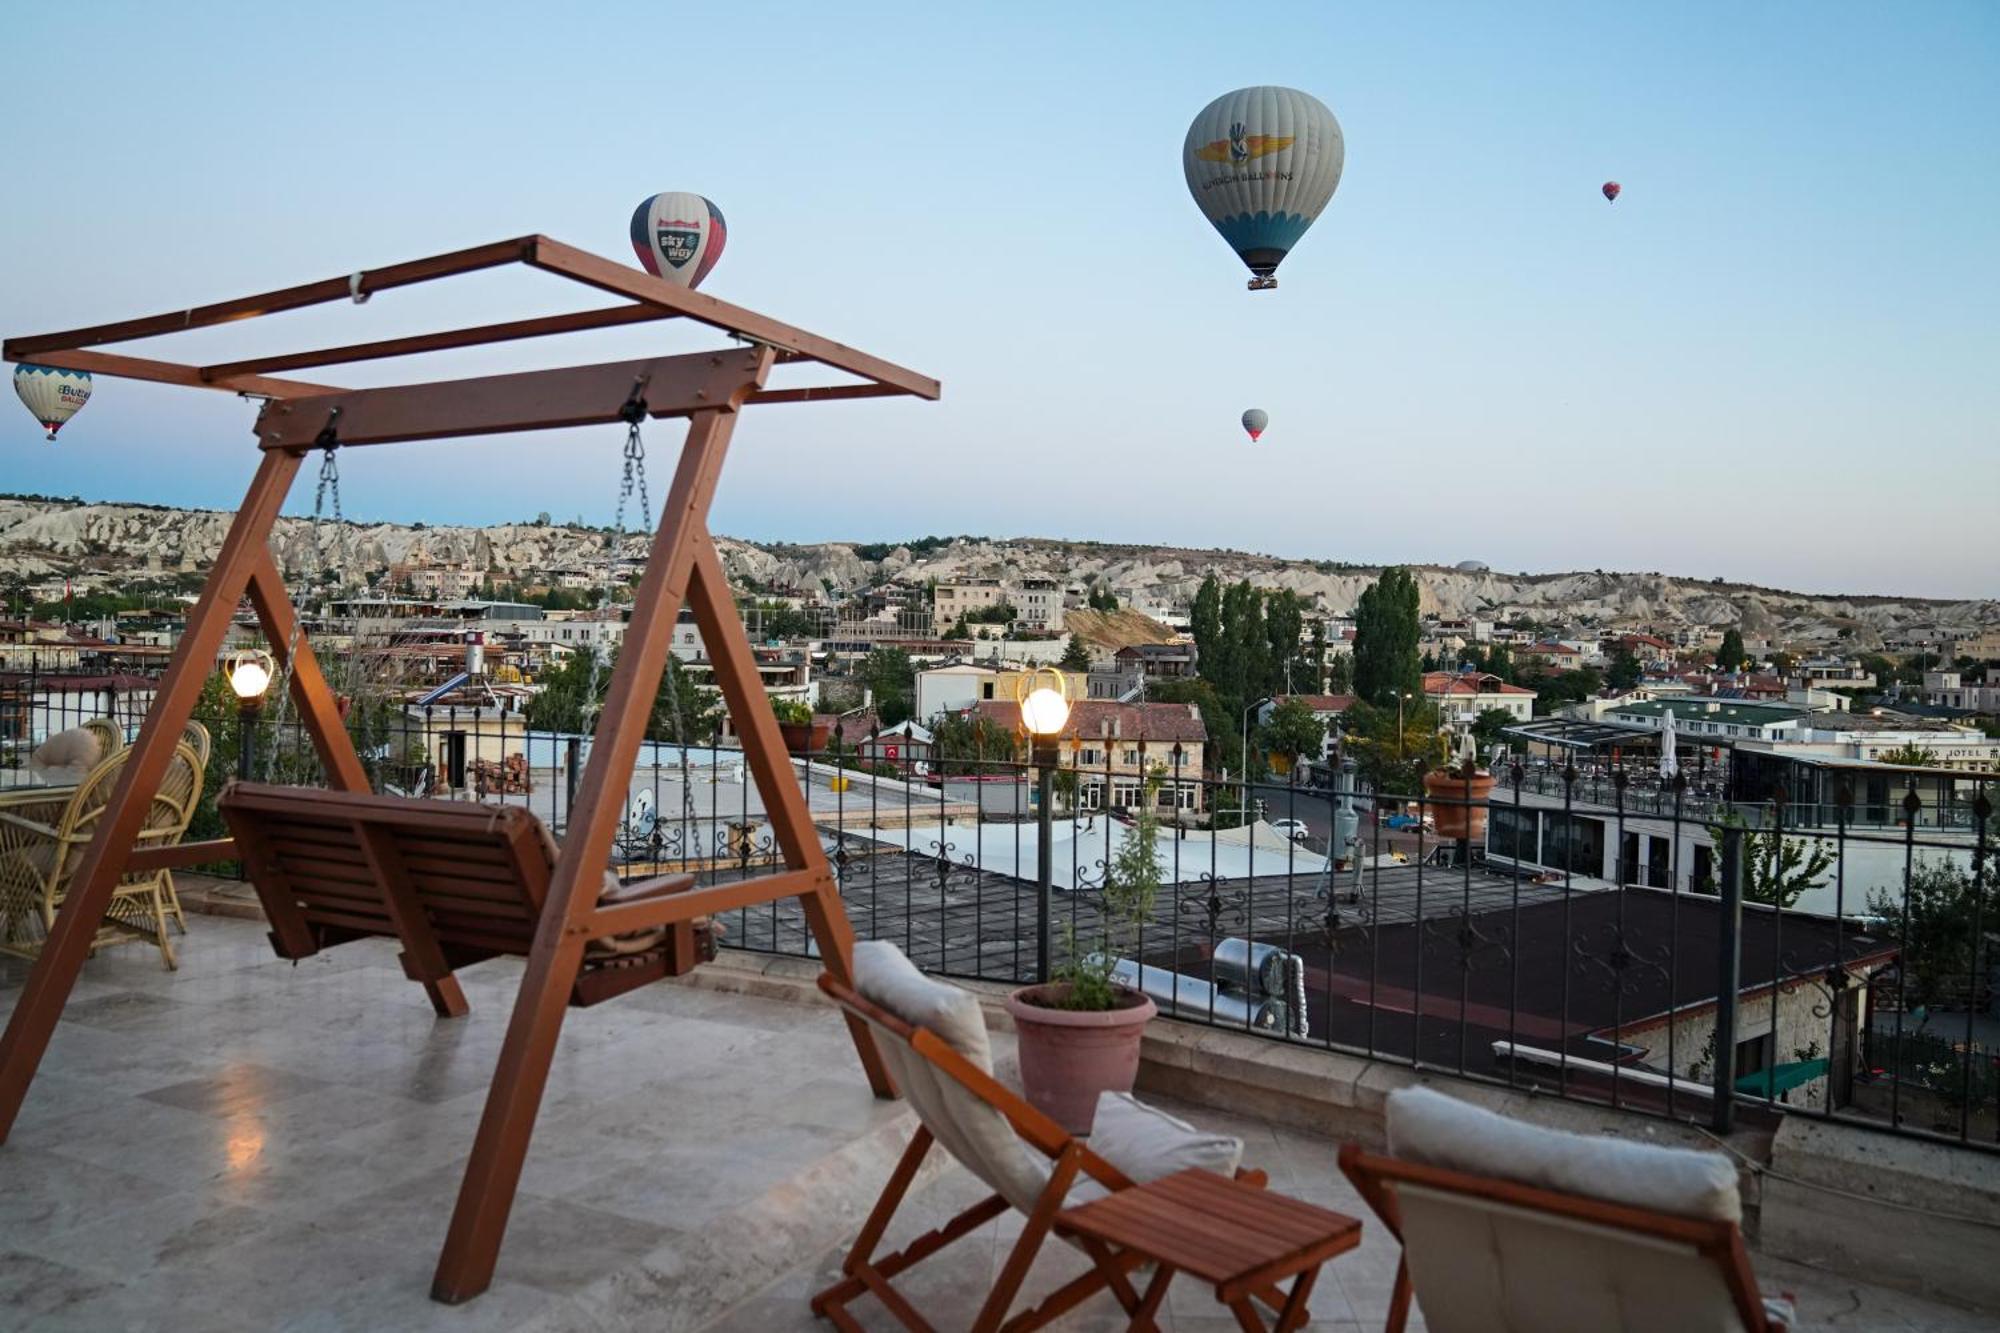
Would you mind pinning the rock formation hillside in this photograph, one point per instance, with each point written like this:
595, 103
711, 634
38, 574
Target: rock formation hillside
107, 544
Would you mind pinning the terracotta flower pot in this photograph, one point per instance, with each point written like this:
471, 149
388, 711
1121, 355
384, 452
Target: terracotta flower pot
805, 737
1449, 792
1068, 1056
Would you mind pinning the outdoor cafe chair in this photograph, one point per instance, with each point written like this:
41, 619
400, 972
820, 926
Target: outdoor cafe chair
1508, 1227
43, 835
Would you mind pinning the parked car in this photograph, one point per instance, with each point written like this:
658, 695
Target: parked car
1295, 829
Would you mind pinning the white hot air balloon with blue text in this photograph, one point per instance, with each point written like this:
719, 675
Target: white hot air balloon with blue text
678, 236
1261, 163
53, 395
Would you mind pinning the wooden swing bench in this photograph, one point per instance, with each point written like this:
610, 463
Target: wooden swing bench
457, 883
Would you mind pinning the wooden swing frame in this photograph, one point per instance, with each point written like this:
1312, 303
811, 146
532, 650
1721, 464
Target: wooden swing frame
683, 567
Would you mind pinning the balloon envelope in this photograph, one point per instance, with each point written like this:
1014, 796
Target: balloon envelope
678, 236
1611, 189
54, 396
1261, 163
1255, 420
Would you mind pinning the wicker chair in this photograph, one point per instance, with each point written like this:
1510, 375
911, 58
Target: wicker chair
195, 737
110, 736
42, 841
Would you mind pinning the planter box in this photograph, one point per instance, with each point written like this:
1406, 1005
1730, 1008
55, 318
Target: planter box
1449, 794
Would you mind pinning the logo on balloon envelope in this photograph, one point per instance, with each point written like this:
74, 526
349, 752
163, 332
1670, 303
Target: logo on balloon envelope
1244, 147
678, 241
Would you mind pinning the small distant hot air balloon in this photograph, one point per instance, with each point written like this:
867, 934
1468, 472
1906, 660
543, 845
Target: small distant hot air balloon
678, 236
1254, 421
1611, 189
1261, 163
54, 396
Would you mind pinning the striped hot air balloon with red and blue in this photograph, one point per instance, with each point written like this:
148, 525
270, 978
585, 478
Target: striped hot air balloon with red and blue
678, 236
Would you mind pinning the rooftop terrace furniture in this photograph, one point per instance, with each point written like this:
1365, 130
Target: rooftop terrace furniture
109, 734
933, 1039
455, 882
1512, 1228
43, 834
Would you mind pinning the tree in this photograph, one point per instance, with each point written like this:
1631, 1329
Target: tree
1730, 656
962, 742
1340, 674
1782, 662
1490, 724
1385, 639
1912, 755
1293, 730
1624, 671
1076, 655
890, 674
683, 712
1393, 763
1777, 868
1944, 920
566, 700
1102, 599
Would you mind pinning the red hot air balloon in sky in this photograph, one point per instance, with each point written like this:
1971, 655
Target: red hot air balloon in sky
1611, 189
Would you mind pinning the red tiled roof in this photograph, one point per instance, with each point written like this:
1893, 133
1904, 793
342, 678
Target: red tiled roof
1320, 703
1165, 723
1468, 682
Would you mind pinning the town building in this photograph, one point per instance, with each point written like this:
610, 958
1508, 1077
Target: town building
1948, 689
963, 597
1461, 696
1113, 748
1329, 709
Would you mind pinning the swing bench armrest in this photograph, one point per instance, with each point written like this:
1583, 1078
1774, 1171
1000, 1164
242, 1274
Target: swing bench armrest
644, 904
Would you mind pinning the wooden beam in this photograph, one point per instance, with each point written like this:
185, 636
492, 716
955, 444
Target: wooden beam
627, 281
531, 400
646, 913
54, 973
735, 674
310, 693
541, 327
285, 298
172, 372
825, 393
479, 1219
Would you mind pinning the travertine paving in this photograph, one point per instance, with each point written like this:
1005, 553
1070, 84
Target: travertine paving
245, 1144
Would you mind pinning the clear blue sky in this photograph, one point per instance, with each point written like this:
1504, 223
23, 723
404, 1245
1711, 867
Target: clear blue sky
1773, 359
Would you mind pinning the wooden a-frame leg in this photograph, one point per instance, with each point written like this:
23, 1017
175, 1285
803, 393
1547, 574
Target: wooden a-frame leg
50, 981
479, 1220
784, 802
1022, 1256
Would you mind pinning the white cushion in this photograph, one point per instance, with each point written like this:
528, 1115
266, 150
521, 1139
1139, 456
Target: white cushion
884, 975
1146, 1143
76, 750
1427, 1126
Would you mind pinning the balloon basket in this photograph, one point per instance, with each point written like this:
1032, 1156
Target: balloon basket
1262, 284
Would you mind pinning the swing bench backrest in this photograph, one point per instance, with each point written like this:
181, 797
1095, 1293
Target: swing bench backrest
456, 882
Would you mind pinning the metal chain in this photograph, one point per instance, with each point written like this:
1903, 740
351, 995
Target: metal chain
329, 483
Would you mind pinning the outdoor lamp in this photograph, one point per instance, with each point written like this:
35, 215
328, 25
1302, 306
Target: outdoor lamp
249, 677
1044, 698
249, 674
1044, 710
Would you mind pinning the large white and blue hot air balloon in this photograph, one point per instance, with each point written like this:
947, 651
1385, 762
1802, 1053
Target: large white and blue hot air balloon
678, 236
54, 396
1261, 163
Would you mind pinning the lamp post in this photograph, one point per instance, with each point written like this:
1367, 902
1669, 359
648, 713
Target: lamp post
249, 678
1044, 713
1401, 695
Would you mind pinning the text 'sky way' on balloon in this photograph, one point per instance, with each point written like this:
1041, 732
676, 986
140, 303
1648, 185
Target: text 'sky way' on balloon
678, 236
1261, 163
54, 396
1254, 421
1611, 189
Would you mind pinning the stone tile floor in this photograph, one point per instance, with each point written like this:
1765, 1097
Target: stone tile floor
245, 1144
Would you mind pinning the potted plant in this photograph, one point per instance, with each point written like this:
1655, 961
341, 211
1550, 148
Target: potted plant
1079, 1033
795, 723
1459, 795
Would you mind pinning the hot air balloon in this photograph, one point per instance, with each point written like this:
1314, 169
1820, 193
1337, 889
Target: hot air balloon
1611, 189
1254, 421
54, 396
1261, 163
678, 236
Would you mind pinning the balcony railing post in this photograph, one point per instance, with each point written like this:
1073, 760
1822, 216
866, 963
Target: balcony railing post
1728, 978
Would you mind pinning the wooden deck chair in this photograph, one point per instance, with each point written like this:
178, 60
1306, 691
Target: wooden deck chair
1508, 1227
455, 882
933, 1038
43, 836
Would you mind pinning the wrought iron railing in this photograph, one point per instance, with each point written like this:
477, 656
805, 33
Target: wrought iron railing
1605, 936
